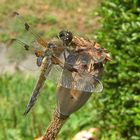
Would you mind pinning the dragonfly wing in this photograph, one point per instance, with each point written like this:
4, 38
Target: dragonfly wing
67, 76
87, 83
54, 73
79, 78
81, 82
24, 48
27, 28
23, 55
66, 79
99, 86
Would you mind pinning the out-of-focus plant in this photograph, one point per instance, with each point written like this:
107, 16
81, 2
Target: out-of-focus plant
13, 98
119, 106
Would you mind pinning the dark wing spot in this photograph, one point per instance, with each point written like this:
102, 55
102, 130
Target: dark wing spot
26, 47
27, 26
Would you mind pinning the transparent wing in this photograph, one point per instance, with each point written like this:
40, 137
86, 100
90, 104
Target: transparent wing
83, 76
81, 82
65, 75
54, 74
24, 49
25, 27
23, 55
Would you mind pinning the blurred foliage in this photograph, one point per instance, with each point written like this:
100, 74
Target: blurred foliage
116, 112
13, 101
119, 106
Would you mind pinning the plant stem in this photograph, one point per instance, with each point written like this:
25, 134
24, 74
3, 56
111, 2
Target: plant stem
54, 127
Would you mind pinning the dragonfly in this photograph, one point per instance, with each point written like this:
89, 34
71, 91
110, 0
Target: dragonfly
64, 62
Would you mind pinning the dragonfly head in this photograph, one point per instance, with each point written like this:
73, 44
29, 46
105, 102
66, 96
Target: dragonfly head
66, 37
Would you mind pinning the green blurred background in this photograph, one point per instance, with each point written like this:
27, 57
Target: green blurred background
115, 25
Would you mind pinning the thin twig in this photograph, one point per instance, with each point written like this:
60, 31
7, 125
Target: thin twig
54, 127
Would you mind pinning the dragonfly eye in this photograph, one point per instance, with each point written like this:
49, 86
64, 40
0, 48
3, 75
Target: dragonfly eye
66, 36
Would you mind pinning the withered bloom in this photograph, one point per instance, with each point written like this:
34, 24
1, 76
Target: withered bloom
85, 49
